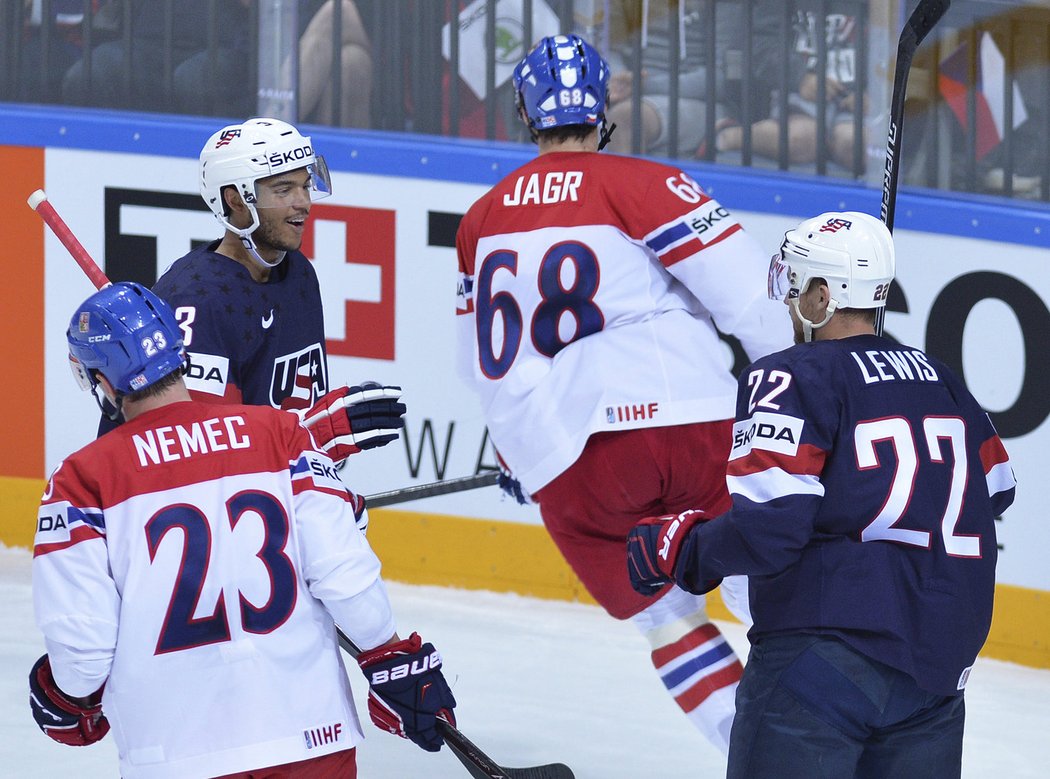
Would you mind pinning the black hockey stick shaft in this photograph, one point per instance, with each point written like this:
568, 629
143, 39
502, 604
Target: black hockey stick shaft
923, 19
432, 489
477, 763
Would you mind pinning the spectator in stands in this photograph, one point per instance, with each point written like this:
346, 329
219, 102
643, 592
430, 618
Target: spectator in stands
648, 26
40, 81
841, 29
120, 78
317, 60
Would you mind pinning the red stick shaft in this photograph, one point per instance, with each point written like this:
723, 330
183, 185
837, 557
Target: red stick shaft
38, 202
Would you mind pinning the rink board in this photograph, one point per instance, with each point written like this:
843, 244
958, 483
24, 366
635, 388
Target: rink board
972, 286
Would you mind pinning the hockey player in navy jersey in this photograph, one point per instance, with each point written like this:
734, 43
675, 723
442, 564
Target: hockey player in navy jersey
590, 290
249, 305
188, 570
865, 482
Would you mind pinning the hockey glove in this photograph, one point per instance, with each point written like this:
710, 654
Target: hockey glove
349, 419
510, 486
60, 718
407, 692
653, 546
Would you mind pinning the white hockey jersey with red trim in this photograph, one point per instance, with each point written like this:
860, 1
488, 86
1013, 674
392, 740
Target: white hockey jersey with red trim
186, 559
590, 287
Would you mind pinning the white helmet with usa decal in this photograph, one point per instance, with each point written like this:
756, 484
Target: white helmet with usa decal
239, 155
850, 250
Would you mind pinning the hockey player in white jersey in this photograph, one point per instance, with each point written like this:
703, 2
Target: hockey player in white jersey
591, 286
189, 568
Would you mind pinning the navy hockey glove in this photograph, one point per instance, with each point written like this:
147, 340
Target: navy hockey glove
60, 718
349, 419
653, 546
407, 692
510, 486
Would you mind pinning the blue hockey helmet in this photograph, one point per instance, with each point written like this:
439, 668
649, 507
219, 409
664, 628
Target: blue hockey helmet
127, 334
562, 81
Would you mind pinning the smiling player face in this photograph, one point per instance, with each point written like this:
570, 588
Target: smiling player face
283, 203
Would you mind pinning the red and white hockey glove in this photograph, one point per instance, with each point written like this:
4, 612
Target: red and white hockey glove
653, 546
407, 692
60, 718
349, 419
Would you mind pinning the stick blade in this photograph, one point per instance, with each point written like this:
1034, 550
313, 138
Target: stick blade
549, 771
481, 766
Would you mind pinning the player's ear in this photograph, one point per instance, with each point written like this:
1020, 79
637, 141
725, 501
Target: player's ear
823, 291
232, 200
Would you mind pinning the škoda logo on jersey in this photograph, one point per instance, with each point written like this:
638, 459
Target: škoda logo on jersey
711, 222
779, 433
406, 669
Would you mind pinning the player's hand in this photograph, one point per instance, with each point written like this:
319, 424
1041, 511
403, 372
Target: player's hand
505, 481
653, 546
349, 419
407, 692
59, 717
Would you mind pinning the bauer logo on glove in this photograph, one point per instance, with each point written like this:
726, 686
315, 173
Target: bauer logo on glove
407, 693
408, 668
349, 419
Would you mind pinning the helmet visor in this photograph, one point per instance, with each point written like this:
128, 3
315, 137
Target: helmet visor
80, 373
296, 187
778, 282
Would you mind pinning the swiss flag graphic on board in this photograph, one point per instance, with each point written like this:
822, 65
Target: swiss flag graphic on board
353, 252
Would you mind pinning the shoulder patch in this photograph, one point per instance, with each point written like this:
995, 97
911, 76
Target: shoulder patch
780, 433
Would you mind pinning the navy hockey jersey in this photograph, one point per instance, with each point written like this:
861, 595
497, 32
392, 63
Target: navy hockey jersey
865, 481
260, 344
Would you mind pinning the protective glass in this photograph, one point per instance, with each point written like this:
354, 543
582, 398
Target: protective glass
289, 189
778, 282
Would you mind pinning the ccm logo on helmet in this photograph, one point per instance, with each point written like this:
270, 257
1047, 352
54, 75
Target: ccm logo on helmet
403, 671
281, 158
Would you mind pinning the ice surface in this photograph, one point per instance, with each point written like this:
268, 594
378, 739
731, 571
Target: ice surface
537, 681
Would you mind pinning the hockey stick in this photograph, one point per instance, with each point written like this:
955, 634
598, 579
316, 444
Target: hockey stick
38, 202
477, 763
923, 19
432, 489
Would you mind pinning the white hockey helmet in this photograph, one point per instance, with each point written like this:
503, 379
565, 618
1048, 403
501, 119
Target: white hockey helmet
239, 155
851, 251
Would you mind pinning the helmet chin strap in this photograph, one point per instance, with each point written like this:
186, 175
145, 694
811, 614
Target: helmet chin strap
111, 409
249, 245
807, 326
245, 234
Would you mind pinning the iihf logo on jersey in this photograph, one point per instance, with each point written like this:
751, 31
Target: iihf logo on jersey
326, 734
298, 379
631, 412
227, 136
